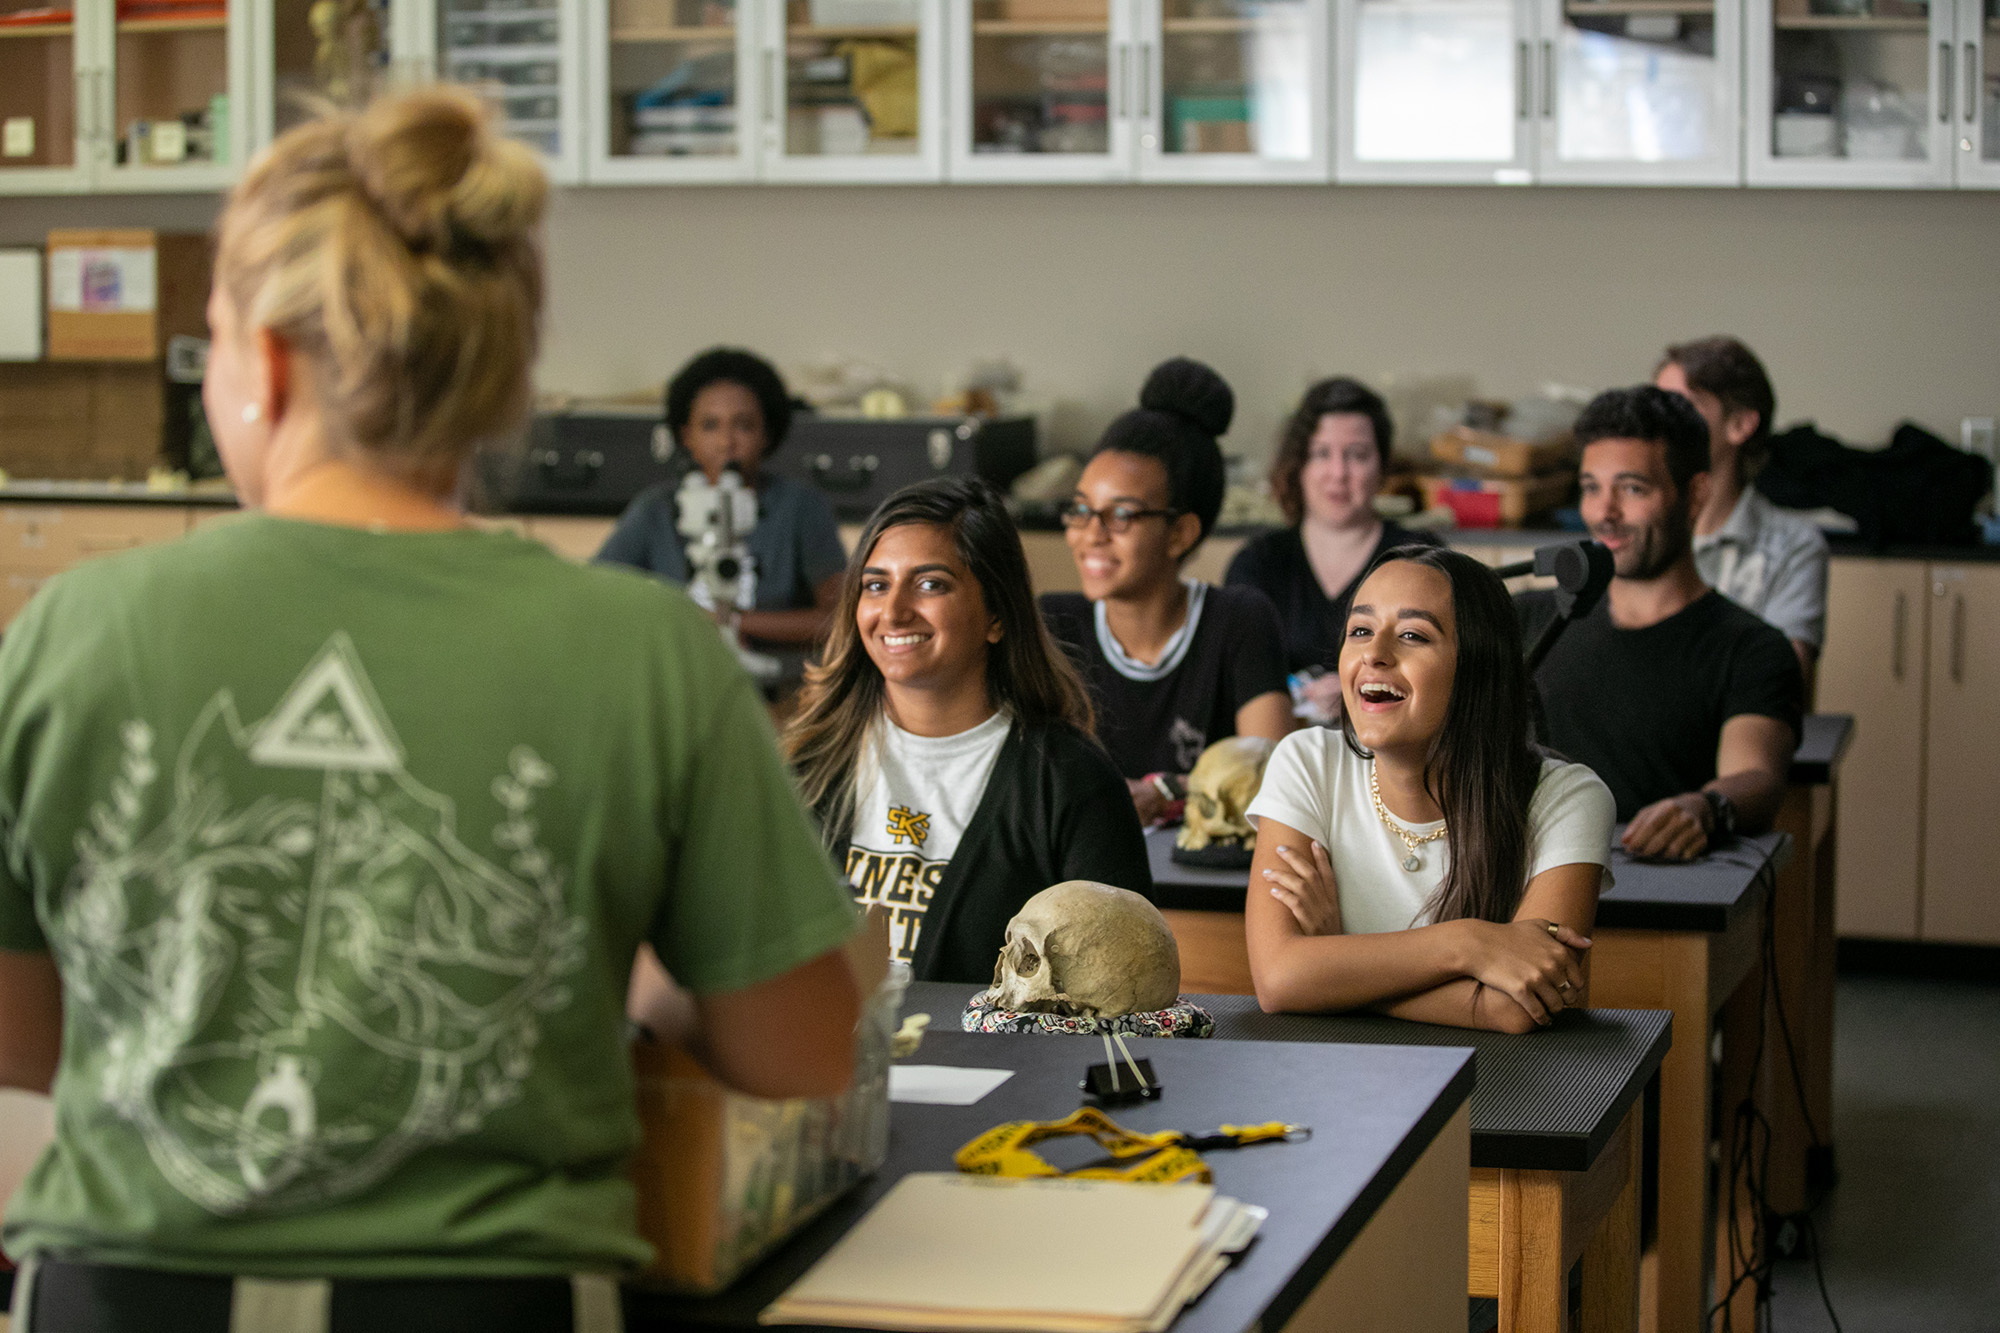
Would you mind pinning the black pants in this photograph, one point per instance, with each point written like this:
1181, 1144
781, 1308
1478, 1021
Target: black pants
69, 1297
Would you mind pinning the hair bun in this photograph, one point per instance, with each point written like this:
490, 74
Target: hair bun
1190, 390
433, 166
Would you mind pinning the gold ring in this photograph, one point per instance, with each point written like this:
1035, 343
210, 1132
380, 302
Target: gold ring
1563, 986
1555, 931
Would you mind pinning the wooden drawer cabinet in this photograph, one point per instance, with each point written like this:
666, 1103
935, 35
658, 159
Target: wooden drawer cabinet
51, 537
1913, 652
1961, 866
1873, 667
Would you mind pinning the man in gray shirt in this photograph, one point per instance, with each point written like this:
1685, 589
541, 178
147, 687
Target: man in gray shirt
1763, 558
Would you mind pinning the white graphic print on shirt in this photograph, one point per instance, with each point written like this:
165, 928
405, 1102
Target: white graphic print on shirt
914, 797
386, 980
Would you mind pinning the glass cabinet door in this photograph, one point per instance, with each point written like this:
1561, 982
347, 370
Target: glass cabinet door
1242, 90
856, 90
39, 77
173, 119
668, 81
1977, 139
1436, 90
1851, 92
517, 53
320, 54
1641, 91
1043, 90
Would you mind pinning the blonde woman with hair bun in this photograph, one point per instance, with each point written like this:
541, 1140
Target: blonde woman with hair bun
331, 835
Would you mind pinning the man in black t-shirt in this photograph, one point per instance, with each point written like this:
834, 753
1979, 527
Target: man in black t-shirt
1687, 705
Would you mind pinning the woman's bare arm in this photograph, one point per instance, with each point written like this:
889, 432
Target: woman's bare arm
30, 1020
1566, 895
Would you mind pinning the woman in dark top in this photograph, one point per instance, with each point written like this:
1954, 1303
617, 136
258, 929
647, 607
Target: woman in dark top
728, 408
1326, 475
1173, 664
944, 743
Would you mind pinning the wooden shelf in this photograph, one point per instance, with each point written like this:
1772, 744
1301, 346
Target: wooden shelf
171, 25
1849, 23
37, 30
807, 32
1201, 26
1039, 28
1585, 9
721, 32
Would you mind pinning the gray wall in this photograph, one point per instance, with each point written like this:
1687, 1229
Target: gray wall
1870, 307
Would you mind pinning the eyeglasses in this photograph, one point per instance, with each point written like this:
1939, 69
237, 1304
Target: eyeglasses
1117, 518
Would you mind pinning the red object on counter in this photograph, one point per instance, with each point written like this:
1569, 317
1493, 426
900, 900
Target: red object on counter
1472, 509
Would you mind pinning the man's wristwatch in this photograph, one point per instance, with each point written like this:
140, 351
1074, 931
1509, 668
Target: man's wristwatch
1721, 814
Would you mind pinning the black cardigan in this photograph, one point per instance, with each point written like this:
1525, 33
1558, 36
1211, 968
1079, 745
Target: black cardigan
1054, 809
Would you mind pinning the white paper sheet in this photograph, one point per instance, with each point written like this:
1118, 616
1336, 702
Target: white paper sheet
943, 1085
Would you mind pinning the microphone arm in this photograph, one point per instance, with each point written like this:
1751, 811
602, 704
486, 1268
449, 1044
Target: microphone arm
1582, 571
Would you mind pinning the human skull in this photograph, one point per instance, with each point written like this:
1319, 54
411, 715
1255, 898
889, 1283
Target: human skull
1086, 950
1220, 789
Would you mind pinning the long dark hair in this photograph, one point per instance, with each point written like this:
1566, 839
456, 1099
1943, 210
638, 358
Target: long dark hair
1025, 672
1483, 763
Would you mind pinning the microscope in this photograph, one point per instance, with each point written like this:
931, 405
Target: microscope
715, 518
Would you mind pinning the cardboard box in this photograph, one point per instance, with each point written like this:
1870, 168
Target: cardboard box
82, 422
722, 1178
119, 295
1490, 454
1055, 11
1496, 502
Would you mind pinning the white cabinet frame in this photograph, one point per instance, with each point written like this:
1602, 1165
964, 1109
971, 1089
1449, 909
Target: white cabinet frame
926, 164
1114, 164
1722, 167
601, 168
1515, 170
1969, 90
1764, 167
94, 48
1156, 164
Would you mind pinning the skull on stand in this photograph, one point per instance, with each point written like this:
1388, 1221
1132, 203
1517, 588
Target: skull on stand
1224, 782
1087, 950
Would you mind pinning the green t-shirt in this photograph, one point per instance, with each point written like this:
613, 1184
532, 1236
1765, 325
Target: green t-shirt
343, 843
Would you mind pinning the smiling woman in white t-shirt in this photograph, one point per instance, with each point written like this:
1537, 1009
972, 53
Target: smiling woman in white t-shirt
1428, 860
944, 741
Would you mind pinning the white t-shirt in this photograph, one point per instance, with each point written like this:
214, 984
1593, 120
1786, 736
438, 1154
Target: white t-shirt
1316, 784
914, 795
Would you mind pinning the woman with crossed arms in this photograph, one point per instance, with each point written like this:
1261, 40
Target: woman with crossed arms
1427, 860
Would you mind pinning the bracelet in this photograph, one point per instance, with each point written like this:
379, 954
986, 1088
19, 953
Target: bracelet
1169, 789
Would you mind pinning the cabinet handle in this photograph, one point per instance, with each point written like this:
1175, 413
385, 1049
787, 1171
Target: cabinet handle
1144, 73
1944, 81
83, 105
1522, 74
1124, 79
1972, 83
770, 87
1902, 625
1548, 79
1958, 639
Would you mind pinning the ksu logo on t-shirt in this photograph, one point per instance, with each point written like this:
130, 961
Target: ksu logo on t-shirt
900, 877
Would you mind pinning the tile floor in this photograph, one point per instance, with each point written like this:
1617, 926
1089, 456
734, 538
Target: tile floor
1912, 1232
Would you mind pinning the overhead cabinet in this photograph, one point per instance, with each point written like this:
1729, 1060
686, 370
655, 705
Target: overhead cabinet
525, 54
784, 90
1115, 90
121, 95
1516, 91
1872, 93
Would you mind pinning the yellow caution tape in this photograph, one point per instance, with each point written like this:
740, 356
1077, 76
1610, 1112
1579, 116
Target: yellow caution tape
1166, 1156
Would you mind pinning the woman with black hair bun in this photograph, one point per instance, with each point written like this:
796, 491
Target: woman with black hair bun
729, 408
1173, 664
1427, 859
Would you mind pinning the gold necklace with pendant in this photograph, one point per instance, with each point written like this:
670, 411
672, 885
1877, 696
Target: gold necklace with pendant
1411, 841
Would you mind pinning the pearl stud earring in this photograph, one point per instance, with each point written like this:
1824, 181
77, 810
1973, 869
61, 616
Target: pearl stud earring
251, 412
